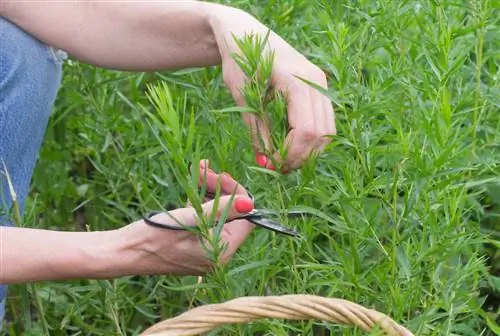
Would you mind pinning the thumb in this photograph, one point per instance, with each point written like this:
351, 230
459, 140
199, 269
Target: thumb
236, 232
231, 207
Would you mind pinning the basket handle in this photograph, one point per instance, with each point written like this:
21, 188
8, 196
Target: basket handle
292, 307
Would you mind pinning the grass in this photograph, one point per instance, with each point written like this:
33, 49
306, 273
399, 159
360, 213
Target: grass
410, 185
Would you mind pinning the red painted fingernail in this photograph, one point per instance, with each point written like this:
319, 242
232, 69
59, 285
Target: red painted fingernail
261, 159
243, 205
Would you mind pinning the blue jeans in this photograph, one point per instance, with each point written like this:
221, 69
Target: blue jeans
30, 75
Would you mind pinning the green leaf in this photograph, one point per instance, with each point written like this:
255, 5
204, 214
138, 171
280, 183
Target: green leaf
239, 109
490, 321
337, 225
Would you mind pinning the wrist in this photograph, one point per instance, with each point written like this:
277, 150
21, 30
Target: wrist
228, 23
122, 252
136, 252
44, 255
101, 255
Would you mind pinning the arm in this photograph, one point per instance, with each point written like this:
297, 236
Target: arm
28, 255
143, 35
37, 255
150, 35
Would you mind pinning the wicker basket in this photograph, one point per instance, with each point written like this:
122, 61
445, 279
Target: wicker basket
292, 307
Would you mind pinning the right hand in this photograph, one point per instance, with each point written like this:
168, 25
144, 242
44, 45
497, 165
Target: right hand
180, 252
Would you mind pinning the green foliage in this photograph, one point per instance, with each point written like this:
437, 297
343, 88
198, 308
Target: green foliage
408, 191
261, 99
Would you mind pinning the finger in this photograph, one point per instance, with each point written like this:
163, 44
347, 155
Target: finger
299, 147
230, 186
207, 178
311, 120
212, 181
230, 206
233, 235
235, 232
258, 128
227, 183
303, 122
330, 117
205, 163
261, 137
328, 122
204, 168
329, 113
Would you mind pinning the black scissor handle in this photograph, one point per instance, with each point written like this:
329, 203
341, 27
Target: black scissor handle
260, 218
148, 220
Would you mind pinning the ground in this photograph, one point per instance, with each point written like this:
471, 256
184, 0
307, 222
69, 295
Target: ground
410, 186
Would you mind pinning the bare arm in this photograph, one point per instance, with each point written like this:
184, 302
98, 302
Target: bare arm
37, 255
142, 35
150, 35
28, 255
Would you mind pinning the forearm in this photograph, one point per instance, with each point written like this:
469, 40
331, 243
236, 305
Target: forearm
143, 35
38, 255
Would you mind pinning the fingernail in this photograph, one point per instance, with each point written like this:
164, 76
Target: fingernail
243, 205
261, 159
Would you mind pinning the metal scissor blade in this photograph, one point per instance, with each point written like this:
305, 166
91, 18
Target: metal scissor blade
286, 213
271, 225
262, 218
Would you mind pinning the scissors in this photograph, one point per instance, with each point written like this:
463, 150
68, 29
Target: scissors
260, 217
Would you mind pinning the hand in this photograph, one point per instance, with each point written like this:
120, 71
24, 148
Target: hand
135, 249
180, 34
180, 252
310, 113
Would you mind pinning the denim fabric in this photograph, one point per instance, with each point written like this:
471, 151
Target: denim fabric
30, 75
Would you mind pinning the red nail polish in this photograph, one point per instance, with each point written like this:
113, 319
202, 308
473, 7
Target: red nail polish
243, 205
261, 159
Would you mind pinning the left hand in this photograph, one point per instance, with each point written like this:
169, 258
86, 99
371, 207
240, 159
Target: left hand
180, 34
310, 113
